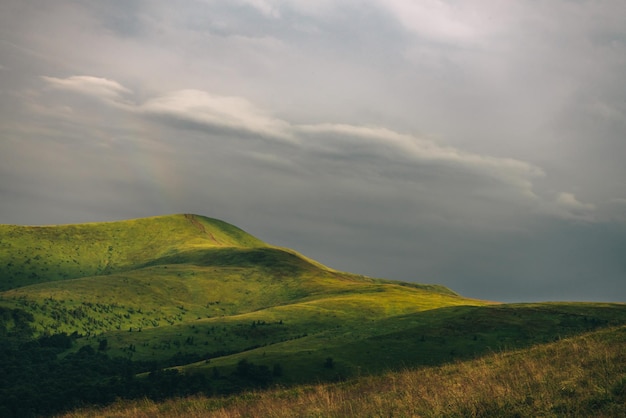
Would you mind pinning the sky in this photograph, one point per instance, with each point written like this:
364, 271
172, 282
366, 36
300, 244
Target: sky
475, 144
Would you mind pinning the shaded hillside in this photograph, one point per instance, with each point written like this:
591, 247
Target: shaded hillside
579, 376
360, 341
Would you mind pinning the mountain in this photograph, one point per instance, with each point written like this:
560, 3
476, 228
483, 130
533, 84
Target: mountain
181, 303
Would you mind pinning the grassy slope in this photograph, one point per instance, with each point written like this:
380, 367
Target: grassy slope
364, 344
195, 287
35, 254
183, 277
579, 376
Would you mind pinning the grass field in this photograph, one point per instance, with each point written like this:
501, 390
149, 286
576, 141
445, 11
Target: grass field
582, 376
206, 301
35, 254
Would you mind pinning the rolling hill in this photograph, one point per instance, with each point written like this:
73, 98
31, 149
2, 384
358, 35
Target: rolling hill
582, 376
180, 304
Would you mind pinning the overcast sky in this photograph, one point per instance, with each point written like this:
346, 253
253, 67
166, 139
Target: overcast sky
475, 144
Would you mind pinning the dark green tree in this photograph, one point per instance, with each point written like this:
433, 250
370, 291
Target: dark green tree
329, 363
103, 344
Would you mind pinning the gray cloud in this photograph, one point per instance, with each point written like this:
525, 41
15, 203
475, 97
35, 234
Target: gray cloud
477, 145
355, 147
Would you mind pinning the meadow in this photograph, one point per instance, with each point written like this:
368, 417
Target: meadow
582, 376
184, 305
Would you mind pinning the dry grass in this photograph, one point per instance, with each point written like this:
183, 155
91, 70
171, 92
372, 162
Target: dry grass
582, 376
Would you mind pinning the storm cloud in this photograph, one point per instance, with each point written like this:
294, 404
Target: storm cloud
476, 145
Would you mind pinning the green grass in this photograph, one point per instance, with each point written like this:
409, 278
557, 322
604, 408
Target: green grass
202, 295
35, 254
581, 376
180, 275
371, 344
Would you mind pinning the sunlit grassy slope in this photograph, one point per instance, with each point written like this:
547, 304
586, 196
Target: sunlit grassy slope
35, 254
202, 295
189, 284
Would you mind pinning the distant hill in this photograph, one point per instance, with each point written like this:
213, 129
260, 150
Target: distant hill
180, 304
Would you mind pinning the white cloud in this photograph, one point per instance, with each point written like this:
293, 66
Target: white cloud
93, 86
195, 106
515, 173
210, 110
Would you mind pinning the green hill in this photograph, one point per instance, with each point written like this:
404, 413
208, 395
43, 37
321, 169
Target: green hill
35, 254
149, 273
180, 304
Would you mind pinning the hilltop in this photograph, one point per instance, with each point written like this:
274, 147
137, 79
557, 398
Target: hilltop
36, 254
181, 304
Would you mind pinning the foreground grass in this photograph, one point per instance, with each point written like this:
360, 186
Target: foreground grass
580, 376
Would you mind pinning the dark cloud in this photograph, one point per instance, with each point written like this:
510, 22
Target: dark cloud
476, 145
